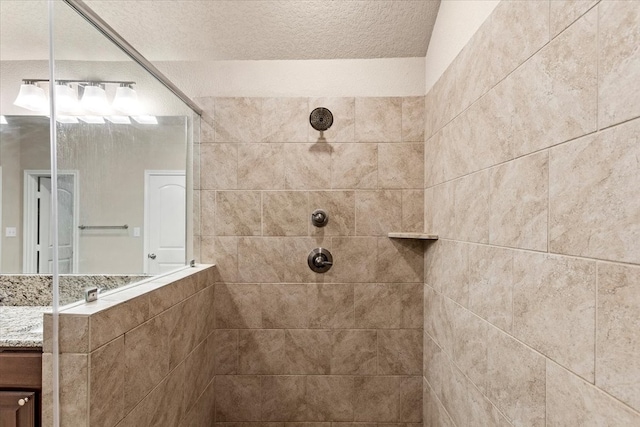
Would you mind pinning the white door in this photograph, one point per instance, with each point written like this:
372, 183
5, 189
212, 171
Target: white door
65, 225
165, 221
44, 254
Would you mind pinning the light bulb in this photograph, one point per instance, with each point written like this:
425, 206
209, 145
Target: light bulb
66, 99
32, 98
126, 100
94, 100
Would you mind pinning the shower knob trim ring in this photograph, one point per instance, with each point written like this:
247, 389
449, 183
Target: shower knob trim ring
320, 260
319, 218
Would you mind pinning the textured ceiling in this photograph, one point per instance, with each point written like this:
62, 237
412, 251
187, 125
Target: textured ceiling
244, 29
24, 34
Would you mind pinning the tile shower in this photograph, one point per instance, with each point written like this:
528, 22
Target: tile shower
523, 158
291, 344
532, 297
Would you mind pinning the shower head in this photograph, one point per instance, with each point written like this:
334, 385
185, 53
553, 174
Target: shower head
321, 119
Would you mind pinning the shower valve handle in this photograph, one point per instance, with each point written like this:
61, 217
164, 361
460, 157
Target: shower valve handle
321, 261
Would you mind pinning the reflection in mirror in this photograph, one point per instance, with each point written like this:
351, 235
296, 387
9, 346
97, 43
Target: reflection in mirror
106, 174
123, 144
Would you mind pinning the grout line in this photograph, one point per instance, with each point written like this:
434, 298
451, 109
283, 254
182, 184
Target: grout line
550, 40
548, 200
546, 393
597, 66
439, 403
491, 87
513, 337
598, 390
378, 353
595, 326
549, 21
402, 120
534, 251
512, 261
574, 20
377, 163
518, 157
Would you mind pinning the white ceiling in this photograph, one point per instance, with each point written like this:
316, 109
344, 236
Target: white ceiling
24, 34
181, 30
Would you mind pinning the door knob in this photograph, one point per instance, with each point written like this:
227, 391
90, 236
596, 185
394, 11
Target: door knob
152, 256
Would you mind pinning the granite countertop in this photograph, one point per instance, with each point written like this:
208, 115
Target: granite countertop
21, 326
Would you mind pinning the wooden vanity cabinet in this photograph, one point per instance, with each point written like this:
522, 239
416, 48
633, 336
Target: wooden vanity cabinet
20, 388
17, 408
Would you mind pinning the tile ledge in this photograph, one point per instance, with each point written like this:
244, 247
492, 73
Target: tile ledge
415, 236
128, 293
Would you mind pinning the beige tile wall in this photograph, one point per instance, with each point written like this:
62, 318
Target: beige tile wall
141, 357
293, 345
532, 294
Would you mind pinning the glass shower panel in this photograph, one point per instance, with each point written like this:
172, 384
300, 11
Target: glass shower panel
123, 145
25, 162
24, 130
25, 174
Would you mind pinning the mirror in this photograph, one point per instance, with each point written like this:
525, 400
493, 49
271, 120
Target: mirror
124, 170
105, 172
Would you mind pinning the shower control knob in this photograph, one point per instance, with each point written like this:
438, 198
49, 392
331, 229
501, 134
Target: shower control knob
319, 218
320, 260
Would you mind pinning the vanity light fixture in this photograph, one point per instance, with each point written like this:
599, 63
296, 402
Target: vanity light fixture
84, 99
32, 97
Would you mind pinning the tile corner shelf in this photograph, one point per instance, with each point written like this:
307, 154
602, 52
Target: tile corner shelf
415, 236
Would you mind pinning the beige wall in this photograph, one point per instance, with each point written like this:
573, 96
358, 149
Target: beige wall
290, 78
26, 147
138, 357
457, 22
293, 345
532, 303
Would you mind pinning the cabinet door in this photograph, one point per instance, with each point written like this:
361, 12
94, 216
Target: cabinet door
17, 409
